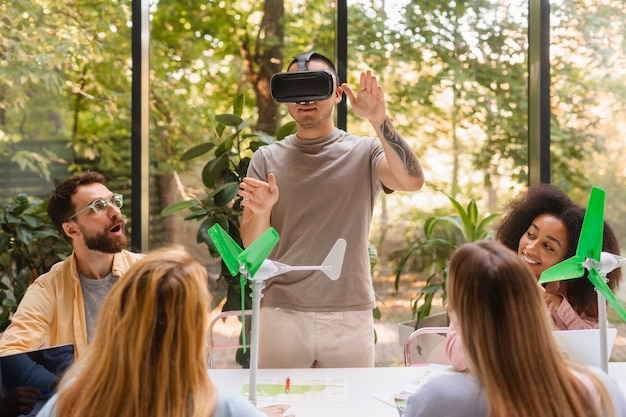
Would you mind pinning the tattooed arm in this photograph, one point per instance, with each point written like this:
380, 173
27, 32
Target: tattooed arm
400, 169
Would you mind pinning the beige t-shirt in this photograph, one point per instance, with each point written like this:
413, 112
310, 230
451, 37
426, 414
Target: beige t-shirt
328, 189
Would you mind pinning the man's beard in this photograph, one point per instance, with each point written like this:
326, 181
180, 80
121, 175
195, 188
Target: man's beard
103, 242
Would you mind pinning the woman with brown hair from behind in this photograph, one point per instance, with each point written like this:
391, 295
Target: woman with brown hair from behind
149, 355
515, 366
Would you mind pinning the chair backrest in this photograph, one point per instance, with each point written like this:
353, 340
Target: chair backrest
225, 332
426, 345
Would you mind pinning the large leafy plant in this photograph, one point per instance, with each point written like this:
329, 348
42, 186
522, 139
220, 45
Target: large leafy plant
29, 246
229, 152
465, 225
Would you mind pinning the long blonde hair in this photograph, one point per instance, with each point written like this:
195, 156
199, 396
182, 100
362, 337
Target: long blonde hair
506, 332
149, 354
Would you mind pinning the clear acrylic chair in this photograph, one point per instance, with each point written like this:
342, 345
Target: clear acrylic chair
426, 345
225, 332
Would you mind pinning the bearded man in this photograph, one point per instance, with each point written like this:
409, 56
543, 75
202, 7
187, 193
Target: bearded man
62, 305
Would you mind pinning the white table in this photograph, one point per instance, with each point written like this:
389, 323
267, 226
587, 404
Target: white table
361, 386
617, 371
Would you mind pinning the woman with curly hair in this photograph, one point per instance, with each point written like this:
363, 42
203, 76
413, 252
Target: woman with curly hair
516, 368
542, 225
149, 355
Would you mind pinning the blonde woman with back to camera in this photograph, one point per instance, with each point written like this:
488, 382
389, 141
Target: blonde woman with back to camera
149, 355
515, 366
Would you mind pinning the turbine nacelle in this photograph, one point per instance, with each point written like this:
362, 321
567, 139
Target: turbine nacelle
608, 263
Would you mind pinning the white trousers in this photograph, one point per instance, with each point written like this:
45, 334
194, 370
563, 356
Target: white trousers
296, 339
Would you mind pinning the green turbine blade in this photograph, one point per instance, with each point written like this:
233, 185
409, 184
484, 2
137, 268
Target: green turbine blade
254, 255
567, 269
227, 247
590, 242
602, 286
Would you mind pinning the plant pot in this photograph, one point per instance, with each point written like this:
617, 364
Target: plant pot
405, 328
428, 348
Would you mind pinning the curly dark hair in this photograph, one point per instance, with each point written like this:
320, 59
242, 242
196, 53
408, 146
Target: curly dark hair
549, 199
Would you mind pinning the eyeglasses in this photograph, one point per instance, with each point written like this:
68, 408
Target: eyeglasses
100, 206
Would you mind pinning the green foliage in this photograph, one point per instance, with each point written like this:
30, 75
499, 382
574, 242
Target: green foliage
66, 75
466, 226
480, 57
36, 162
229, 150
29, 246
455, 77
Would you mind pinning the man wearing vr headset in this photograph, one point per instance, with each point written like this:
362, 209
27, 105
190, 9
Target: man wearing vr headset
62, 305
315, 187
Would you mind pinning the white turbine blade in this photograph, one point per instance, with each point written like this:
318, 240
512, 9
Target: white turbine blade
331, 265
334, 259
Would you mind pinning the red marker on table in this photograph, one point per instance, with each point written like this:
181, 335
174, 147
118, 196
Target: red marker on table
287, 385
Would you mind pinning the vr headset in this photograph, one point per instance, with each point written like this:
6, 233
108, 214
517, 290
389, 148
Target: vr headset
302, 86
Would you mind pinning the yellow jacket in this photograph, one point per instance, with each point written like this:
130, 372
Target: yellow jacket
52, 310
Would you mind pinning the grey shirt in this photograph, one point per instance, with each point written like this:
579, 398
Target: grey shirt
460, 395
94, 293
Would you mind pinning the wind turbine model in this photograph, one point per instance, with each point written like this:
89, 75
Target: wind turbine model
252, 264
589, 256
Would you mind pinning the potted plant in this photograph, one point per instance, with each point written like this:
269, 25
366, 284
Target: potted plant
435, 248
29, 246
230, 151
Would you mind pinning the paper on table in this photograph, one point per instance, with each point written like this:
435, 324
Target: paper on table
398, 398
301, 390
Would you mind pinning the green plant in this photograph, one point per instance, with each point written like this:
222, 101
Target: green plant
230, 151
29, 246
466, 226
